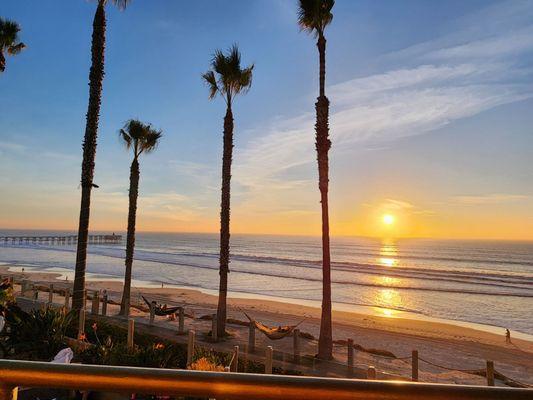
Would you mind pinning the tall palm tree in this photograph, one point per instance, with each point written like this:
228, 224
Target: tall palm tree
313, 17
96, 77
9, 41
227, 79
141, 138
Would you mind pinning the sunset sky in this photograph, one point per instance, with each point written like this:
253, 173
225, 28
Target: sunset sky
431, 117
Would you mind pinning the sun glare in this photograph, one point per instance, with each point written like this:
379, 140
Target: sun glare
388, 219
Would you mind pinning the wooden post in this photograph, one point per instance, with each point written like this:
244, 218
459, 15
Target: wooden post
85, 299
104, 303
131, 332
67, 297
35, 294
251, 338
414, 366
23, 287
181, 320
8, 392
214, 331
490, 373
96, 303
296, 346
51, 294
81, 323
235, 358
190, 347
152, 312
371, 372
268, 359
350, 358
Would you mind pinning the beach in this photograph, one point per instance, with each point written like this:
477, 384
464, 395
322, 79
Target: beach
451, 346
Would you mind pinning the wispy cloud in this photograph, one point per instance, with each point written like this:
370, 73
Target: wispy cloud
494, 198
441, 81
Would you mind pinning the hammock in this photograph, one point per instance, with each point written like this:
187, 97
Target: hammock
161, 310
273, 333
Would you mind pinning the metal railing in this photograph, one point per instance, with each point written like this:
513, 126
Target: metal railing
225, 385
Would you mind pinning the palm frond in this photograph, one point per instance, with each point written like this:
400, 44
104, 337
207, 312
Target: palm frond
9, 31
227, 77
15, 49
315, 15
121, 4
142, 137
211, 80
126, 138
151, 140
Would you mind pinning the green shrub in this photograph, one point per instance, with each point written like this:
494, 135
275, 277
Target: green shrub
37, 335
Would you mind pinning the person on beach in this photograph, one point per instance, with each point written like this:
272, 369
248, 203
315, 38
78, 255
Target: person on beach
507, 336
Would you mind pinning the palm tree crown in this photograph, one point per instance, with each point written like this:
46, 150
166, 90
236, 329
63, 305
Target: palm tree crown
9, 40
315, 15
227, 78
141, 137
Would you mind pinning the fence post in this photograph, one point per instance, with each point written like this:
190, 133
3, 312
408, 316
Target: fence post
131, 333
371, 372
96, 303
85, 299
251, 338
23, 287
296, 346
350, 358
190, 347
67, 297
268, 359
490, 373
235, 358
81, 323
414, 365
104, 303
152, 312
214, 330
35, 294
51, 294
181, 320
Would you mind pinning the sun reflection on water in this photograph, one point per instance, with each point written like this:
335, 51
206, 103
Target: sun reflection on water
388, 253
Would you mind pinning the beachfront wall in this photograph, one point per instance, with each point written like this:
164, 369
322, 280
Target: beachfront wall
229, 385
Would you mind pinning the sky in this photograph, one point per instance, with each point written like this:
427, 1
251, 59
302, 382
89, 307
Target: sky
431, 117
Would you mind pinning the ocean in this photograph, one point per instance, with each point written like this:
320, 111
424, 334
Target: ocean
482, 282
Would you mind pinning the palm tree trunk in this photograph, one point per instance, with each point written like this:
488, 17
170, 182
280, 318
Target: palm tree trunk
323, 144
224, 222
96, 77
130, 240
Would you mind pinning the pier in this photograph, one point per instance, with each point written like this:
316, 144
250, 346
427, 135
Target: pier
66, 240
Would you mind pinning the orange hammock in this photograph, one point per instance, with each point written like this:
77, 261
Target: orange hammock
273, 333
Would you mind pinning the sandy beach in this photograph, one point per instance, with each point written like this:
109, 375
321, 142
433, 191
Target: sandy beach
447, 345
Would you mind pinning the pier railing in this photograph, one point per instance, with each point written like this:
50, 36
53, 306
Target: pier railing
224, 385
61, 240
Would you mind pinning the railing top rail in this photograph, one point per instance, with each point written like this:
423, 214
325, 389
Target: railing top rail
233, 385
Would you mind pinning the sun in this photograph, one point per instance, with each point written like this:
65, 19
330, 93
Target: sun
388, 219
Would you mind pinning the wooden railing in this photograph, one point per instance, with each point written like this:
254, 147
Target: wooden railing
224, 385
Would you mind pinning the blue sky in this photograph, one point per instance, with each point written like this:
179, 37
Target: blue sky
430, 116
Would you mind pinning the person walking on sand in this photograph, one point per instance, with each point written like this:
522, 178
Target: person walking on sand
507, 336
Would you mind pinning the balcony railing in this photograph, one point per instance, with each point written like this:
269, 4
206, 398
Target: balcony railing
225, 385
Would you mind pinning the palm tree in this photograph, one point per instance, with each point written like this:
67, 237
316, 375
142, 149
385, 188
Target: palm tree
9, 41
141, 138
227, 79
96, 77
313, 17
